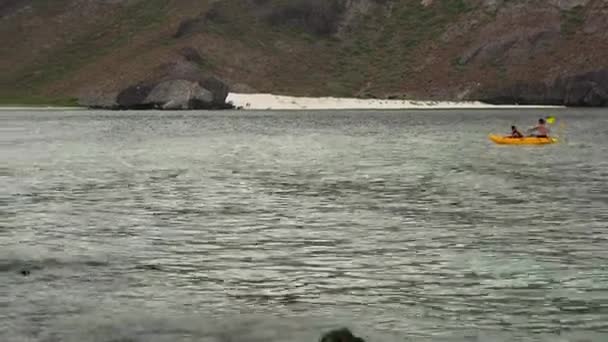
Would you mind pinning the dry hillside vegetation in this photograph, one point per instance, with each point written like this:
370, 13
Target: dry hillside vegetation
430, 49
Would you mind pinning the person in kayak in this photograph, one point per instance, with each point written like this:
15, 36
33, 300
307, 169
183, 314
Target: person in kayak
541, 130
515, 133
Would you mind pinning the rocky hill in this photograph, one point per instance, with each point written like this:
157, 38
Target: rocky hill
501, 51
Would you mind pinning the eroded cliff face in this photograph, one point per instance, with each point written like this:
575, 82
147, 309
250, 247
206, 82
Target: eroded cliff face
427, 49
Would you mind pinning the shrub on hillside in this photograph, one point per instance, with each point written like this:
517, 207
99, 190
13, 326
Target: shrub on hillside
320, 17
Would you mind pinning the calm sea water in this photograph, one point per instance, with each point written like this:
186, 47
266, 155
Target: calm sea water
270, 226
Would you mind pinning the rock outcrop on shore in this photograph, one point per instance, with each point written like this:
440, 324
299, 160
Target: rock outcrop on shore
171, 94
588, 89
178, 85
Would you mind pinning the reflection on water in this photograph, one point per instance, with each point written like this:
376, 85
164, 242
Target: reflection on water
275, 226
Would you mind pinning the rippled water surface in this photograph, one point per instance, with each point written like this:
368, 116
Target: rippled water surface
270, 226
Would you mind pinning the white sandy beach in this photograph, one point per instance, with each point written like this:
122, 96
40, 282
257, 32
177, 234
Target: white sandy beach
279, 102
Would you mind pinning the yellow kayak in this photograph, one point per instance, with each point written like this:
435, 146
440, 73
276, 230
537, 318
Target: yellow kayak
502, 140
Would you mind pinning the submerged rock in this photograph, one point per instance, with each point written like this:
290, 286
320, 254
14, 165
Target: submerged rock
340, 335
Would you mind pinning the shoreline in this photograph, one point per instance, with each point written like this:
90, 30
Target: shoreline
40, 108
261, 101
265, 101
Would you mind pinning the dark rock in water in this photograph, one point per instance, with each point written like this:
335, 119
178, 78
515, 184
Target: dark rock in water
582, 90
340, 335
25, 273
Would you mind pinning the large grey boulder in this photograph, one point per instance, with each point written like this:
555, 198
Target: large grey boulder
186, 69
168, 93
179, 94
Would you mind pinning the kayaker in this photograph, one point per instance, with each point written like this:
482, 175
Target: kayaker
515, 133
541, 130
